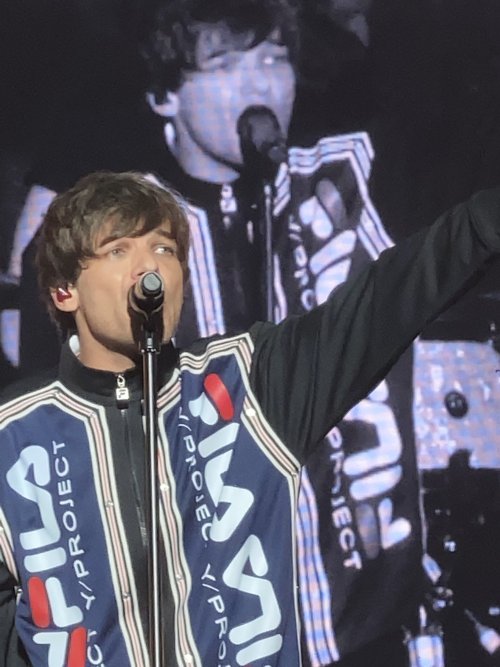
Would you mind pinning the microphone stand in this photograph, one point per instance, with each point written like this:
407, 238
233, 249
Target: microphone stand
263, 149
150, 348
268, 249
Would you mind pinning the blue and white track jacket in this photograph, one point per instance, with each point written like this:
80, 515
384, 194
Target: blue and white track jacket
237, 416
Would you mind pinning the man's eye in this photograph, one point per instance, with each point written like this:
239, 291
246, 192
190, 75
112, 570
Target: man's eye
275, 59
211, 64
277, 55
166, 250
220, 61
116, 252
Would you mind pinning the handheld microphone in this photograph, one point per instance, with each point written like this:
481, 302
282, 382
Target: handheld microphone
145, 297
262, 143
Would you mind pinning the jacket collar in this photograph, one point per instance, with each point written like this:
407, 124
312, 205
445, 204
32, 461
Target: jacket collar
101, 385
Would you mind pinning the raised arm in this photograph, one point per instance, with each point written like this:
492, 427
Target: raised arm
309, 370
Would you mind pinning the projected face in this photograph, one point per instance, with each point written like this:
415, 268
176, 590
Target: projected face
230, 77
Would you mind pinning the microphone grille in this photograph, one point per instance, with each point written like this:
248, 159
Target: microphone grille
152, 284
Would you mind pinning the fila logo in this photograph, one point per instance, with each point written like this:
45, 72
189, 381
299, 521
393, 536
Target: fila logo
373, 473
45, 550
248, 566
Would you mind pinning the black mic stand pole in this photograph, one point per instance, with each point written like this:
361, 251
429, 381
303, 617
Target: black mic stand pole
263, 149
150, 348
268, 249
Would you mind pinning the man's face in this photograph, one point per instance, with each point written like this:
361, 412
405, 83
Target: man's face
99, 300
230, 77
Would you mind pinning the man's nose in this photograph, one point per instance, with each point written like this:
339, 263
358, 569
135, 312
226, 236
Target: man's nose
144, 261
255, 87
255, 79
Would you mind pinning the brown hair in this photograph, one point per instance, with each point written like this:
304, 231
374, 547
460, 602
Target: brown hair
133, 203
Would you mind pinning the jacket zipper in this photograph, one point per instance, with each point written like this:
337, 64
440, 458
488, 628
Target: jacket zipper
122, 399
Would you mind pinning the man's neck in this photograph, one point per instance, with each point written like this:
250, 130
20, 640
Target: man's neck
106, 360
198, 164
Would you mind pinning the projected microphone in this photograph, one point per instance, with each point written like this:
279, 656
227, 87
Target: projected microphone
262, 142
263, 149
145, 297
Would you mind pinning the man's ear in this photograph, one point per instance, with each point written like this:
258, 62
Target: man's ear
65, 298
168, 108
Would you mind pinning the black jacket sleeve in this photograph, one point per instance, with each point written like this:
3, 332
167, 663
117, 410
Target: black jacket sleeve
310, 370
12, 653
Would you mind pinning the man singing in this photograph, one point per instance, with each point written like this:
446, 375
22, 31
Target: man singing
237, 416
211, 63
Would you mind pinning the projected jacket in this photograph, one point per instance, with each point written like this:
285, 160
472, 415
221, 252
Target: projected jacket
364, 474
72, 533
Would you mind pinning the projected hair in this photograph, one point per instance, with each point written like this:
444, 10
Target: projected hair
170, 49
